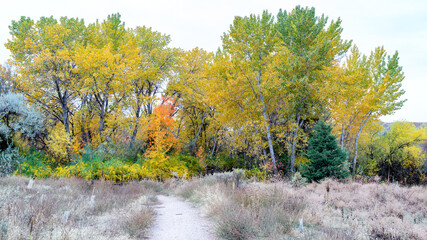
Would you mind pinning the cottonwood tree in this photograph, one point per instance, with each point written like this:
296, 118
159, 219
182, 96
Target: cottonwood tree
379, 78
250, 53
395, 153
43, 54
151, 63
102, 66
312, 45
192, 85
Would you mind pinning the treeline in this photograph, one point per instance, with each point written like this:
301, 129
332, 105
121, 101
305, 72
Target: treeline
102, 87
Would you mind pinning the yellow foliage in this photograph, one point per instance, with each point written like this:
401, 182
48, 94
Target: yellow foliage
161, 167
256, 174
116, 171
301, 160
40, 171
77, 146
58, 140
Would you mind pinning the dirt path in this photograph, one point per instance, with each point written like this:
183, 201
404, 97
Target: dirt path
177, 219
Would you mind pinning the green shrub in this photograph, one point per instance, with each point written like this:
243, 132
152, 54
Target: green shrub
194, 165
36, 164
9, 161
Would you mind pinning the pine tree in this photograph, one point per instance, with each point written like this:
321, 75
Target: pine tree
327, 159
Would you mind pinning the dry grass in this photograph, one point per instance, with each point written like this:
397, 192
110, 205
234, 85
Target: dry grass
367, 211
77, 209
254, 211
73, 209
345, 211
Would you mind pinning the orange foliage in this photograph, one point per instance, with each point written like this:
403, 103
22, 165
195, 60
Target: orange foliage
159, 129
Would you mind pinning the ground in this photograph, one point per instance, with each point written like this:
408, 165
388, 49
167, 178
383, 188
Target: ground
209, 208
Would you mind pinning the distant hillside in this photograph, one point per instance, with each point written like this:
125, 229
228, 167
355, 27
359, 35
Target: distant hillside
417, 124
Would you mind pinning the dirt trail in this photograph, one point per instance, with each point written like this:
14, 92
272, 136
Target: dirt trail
177, 219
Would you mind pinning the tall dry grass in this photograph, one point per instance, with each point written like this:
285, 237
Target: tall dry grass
329, 210
253, 211
74, 209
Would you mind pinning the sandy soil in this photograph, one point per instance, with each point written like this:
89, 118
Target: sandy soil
177, 219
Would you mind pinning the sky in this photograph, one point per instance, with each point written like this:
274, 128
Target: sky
395, 24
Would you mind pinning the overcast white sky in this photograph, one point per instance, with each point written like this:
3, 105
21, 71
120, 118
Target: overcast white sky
395, 24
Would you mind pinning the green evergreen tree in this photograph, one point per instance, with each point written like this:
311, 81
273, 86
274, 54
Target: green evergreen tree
327, 159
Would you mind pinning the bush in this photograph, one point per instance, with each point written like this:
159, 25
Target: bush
137, 223
256, 174
9, 161
236, 223
194, 165
298, 180
160, 166
113, 170
28, 122
35, 164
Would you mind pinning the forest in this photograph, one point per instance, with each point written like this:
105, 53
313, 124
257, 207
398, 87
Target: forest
284, 94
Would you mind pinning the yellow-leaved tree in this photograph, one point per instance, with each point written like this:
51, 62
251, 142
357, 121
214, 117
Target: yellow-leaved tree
43, 54
246, 84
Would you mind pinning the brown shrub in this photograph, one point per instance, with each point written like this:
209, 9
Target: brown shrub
137, 223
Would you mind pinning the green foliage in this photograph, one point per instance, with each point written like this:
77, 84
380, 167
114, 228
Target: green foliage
9, 161
396, 154
194, 165
112, 170
100, 163
327, 159
17, 117
225, 162
36, 165
255, 99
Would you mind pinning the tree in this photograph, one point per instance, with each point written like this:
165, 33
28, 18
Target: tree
327, 159
102, 66
7, 80
191, 86
43, 54
160, 137
312, 46
151, 65
348, 84
381, 85
396, 152
249, 82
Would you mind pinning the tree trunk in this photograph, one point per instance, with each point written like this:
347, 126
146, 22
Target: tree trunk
66, 121
264, 161
101, 121
214, 146
342, 135
179, 129
135, 129
362, 124
266, 122
199, 131
293, 149
294, 141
